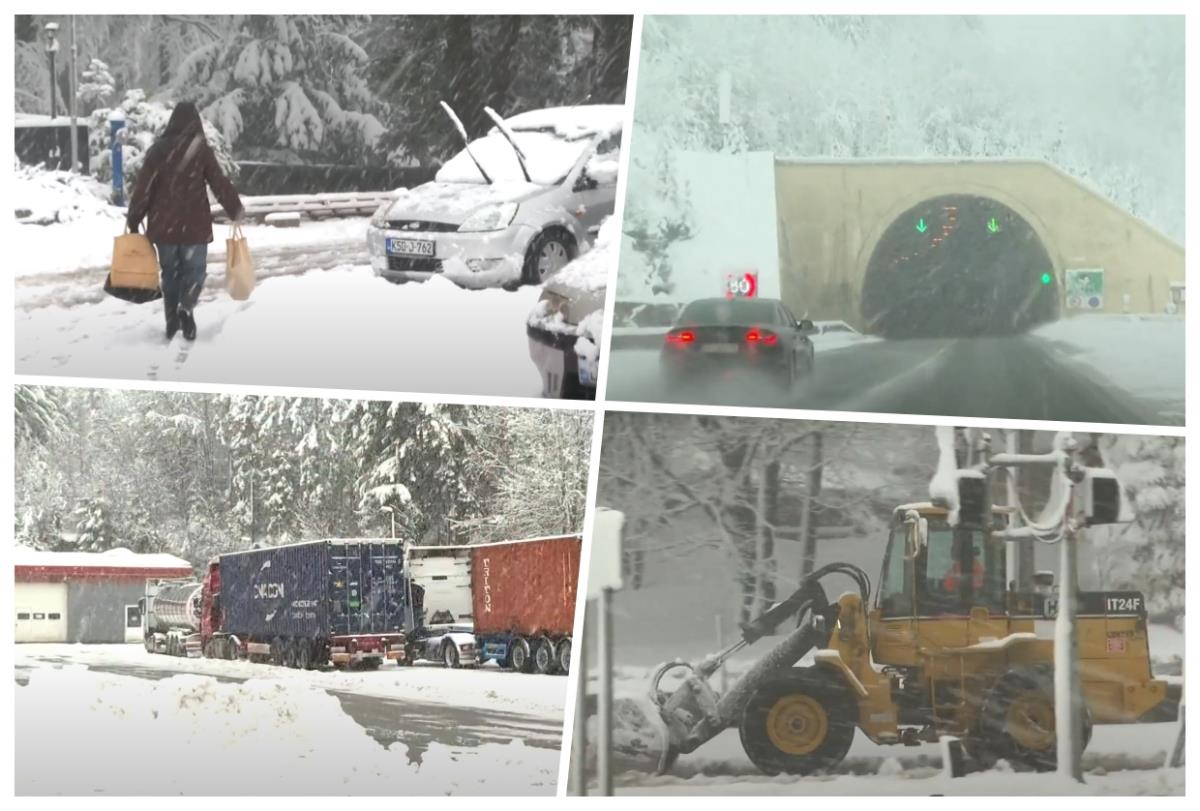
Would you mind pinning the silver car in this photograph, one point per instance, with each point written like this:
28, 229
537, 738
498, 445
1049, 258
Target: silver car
512, 208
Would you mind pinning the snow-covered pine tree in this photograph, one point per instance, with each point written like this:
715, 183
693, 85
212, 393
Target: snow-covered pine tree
96, 88
95, 530
145, 120
1148, 554
286, 85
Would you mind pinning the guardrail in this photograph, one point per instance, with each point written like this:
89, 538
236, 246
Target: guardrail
315, 206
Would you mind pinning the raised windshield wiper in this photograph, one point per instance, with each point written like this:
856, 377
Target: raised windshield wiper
508, 136
458, 124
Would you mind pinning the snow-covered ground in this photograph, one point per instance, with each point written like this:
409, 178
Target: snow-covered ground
1143, 354
340, 328
485, 688
319, 317
88, 733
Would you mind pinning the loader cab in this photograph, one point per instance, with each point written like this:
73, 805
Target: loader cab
940, 586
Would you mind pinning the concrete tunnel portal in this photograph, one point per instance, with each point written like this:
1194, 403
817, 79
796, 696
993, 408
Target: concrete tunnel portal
958, 265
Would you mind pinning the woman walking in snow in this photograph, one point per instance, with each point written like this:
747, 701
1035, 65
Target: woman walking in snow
171, 193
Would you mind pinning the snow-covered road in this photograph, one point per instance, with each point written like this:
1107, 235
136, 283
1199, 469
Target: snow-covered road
1117, 369
419, 730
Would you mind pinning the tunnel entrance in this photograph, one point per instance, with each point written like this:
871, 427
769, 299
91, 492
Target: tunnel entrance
958, 266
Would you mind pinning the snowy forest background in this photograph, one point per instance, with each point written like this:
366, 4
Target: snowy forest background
1100, 97
199, 474
760, 502
347, 89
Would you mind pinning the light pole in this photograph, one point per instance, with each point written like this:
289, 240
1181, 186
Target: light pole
72, 101
392, 513
51, 30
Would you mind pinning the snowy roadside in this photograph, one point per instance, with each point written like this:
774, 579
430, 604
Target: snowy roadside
1144, 354
484, 688
897, 781
341, 328
194, 735
65, 248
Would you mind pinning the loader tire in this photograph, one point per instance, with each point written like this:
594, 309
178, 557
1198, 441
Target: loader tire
800, 721
1016, 722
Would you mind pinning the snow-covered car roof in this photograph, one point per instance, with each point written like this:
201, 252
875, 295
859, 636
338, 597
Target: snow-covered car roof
580, 121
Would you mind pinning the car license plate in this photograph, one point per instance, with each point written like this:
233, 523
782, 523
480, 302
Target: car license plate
720, 349
397, 246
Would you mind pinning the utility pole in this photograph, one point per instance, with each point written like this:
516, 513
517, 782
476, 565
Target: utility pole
72, 102
1068, 696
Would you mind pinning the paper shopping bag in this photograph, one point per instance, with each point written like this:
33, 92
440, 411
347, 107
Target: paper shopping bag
134, 263
239, 267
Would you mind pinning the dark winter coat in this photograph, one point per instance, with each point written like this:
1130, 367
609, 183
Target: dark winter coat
171, 185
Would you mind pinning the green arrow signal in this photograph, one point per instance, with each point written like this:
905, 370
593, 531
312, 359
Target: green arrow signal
993, 226
921, 226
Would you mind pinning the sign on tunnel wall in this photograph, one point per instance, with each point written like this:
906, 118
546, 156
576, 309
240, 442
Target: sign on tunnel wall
1084, 288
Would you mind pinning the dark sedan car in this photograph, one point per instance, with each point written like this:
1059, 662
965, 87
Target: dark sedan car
719, 334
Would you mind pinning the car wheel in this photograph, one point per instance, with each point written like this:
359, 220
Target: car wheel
450, 655
549, 252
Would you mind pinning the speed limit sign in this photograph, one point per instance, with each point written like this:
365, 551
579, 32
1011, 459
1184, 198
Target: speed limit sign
741, 285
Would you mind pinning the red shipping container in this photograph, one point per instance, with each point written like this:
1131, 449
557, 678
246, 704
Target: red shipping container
525, 587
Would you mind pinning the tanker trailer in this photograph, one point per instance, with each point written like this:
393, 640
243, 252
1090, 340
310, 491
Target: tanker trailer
171, 617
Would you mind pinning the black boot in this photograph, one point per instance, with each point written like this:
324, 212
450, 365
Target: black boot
189, 325
171, 312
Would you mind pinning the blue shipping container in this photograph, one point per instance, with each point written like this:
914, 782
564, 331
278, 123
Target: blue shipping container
316, 589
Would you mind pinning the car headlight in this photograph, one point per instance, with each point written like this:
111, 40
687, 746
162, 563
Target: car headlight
490, 218
379, 218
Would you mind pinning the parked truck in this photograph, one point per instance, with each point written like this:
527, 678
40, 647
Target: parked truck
511, 602
170, 613
340, 601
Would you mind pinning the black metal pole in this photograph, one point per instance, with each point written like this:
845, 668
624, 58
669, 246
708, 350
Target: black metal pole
53, 98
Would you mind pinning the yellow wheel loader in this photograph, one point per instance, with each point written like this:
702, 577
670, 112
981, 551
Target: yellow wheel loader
945, 648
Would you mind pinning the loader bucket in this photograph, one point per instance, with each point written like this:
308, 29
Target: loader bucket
640, 737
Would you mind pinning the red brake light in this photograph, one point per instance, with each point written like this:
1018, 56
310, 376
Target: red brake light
754, 336
682, 337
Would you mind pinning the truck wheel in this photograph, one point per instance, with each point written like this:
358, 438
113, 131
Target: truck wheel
800, 721
277, 651
304, 655
518, 655
231, 650
543, 657
450, 655
563, 654
149, 643
1016, 721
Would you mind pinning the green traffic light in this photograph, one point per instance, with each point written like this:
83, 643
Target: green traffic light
921, 226
1047, 278
993, 226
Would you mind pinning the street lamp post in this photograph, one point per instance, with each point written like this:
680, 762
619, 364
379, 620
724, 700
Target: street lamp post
51, 30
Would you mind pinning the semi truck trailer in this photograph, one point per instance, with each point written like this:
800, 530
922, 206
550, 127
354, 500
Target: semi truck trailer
511, 602
340, 601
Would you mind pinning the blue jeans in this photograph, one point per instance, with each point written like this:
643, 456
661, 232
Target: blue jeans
183, 270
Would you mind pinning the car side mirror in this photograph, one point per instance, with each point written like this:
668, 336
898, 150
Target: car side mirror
807, 326
585, 182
